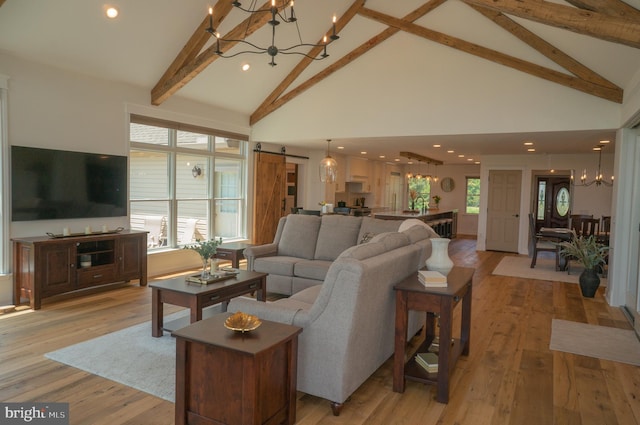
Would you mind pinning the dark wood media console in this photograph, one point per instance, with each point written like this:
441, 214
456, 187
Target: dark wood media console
44, 267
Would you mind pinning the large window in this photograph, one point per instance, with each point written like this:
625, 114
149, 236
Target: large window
186, 183
472, 201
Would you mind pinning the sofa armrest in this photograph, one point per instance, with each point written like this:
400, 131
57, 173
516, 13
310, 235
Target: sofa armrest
253, 252
265, 311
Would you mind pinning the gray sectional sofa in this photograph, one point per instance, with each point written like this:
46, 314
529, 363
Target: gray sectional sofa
305, 246
348, 317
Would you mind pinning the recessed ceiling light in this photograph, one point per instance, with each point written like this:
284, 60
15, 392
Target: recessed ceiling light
246, 66
436, 146
450, 151
382, 156
410, 162
477, 162
112, 12
340, 147
604, 142
528, 143
597, 148
397, 159
531, 150
461, 156
469, 159
363, 152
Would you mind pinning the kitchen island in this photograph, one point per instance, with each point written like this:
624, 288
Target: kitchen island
445, 222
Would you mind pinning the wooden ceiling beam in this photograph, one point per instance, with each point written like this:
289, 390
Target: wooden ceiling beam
260, 112
599, 25
498, 57
608, 7
545, 48
190, 70
267, 108
195, 44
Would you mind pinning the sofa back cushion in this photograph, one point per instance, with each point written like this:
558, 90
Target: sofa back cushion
299, 235
380, 244
374, 226
337, 233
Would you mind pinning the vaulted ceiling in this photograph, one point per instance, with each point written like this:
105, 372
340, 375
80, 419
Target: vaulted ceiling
408, 61
611, 20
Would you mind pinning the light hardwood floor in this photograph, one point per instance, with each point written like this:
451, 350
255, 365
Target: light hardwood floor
509, 377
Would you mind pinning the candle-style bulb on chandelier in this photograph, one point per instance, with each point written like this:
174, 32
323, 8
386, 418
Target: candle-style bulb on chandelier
598, 179
281, 11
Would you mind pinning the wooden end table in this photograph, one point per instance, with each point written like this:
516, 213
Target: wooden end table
227, 377
178, 291
232, 251
412, 295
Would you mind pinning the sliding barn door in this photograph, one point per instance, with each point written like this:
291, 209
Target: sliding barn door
270, 195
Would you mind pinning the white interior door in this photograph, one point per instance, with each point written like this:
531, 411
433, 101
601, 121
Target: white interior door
503, 210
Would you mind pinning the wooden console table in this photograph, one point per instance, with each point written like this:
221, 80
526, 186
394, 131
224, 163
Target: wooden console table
412, 295
227, 377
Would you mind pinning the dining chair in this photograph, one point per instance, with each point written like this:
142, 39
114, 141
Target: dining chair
541, 243
605, 229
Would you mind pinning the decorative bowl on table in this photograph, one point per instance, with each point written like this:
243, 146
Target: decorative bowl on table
242, 322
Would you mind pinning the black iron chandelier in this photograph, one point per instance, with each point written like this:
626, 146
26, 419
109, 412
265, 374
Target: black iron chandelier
598, 179
278, 10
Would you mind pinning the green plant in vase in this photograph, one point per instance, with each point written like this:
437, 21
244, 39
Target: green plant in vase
591, 254
206, 249
436, 199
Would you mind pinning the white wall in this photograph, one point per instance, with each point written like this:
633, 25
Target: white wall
51, 108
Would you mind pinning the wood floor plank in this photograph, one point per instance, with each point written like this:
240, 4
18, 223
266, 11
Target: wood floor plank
510, 376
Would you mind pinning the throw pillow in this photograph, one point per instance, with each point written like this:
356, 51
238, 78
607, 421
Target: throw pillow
366, 237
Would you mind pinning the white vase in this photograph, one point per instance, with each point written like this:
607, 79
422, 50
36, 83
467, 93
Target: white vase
439, 259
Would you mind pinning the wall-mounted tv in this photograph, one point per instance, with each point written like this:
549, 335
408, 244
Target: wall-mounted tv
51, 184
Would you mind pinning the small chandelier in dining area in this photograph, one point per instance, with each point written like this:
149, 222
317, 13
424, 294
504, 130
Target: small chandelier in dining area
598, 179
281, 11
328, 167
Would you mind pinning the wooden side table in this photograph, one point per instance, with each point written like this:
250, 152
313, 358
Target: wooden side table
232, 251
412, 295
227, 377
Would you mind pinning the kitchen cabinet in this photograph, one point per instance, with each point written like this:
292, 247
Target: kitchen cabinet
50, 266
359, 171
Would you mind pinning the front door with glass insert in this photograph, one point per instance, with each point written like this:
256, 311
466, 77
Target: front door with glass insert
553, 202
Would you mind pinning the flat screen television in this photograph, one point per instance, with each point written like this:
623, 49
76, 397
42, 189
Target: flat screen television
51, 184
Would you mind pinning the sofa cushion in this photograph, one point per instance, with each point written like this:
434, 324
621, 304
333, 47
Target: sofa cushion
314, 269
279, 265
391, 240
336, 234
375, 226
419, 232
362, 251
298, 232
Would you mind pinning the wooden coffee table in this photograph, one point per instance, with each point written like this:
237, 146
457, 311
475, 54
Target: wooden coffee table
195, 296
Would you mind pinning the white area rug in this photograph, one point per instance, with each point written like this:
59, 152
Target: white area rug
545, 269
602, 342
130, 356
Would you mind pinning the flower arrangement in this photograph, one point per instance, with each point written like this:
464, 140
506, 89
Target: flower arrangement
436, 199
322, 203
206, 249
413, 194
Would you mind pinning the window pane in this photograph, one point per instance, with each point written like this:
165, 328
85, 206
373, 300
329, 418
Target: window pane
191, 176
422, 187
228, 172
473, 195
151, 216
228, 222
186, 139
562, 202
148, 175
225, 145
542, 193
148, 134
192, 221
